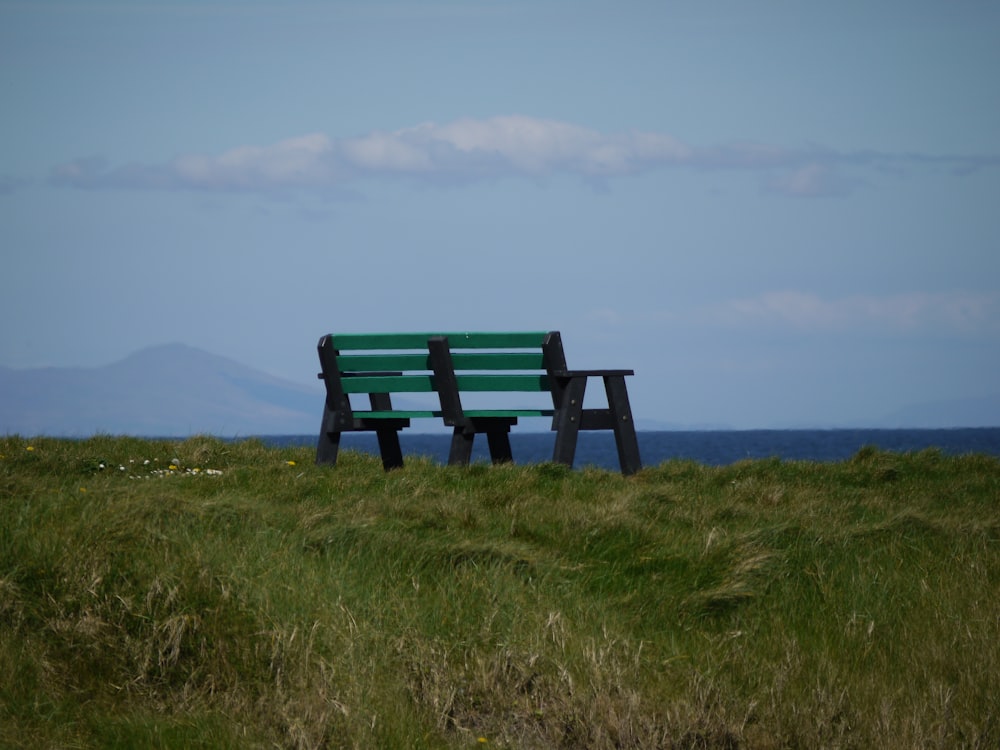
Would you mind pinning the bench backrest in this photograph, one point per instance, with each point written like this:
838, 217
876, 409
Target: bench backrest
444, 363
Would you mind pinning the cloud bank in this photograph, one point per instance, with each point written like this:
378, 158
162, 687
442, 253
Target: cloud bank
513, 146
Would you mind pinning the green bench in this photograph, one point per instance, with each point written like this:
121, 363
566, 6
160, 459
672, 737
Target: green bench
457, 366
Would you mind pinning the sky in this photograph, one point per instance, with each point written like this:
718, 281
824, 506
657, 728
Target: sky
776, 213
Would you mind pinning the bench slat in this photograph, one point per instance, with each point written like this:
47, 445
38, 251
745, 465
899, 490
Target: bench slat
376, 362
477, 413
402, 414
467, 340
351, 341
496, 340
462, 361
498, 361
388, 384
425, 383
511, 383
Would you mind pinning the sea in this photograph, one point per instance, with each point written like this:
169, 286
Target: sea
710, 447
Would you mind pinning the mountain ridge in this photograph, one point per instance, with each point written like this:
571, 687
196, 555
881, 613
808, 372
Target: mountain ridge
175, 390
165, 390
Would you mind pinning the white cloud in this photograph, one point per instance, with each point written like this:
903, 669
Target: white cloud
504, 146
295, 162
385, 152
535, 146
812, 180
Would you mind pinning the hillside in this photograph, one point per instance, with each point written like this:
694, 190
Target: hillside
203, 593
173, 390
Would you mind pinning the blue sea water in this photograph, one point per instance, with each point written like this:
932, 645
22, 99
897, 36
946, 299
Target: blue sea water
714, 448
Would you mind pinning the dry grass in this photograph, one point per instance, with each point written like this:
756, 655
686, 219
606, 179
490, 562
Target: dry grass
271, 603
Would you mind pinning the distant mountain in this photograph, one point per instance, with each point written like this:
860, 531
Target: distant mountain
171, 390
176, 390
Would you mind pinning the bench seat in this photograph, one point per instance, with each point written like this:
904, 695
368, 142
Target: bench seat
417, 414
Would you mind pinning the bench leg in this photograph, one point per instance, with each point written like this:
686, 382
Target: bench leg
328, 444
388, 445
624, 426
327, 448
461, 447
568, 421
500, 447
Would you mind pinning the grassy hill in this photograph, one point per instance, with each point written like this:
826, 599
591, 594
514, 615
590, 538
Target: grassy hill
210, 594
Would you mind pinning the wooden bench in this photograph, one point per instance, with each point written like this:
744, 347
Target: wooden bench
455, 366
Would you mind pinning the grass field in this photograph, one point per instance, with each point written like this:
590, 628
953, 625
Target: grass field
229, 595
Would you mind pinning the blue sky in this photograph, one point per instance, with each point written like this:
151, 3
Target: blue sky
776, 213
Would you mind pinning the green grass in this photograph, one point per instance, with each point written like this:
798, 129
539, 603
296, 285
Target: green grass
271, 603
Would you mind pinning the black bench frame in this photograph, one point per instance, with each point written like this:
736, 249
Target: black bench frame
444, 366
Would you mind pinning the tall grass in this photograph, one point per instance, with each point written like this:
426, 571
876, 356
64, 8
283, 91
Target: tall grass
272, 603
